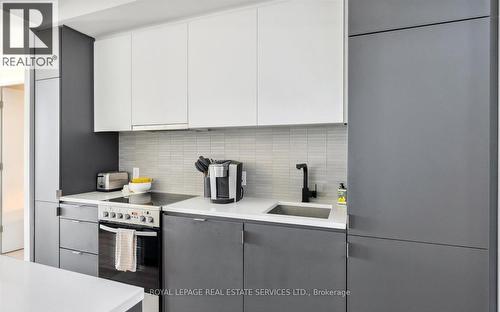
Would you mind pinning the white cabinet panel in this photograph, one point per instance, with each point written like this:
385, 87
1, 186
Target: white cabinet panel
47, 139
45, 73
112, 84
301, 62
159, 81
223, 70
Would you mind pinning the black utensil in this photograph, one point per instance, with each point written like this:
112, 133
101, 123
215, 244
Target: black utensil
200, 167
205, 162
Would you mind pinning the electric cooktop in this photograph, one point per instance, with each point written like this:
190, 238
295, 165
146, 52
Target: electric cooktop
151, 199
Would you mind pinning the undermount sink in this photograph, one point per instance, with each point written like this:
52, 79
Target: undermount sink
301, 211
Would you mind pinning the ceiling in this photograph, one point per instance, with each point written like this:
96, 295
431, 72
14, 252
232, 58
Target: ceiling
101, 17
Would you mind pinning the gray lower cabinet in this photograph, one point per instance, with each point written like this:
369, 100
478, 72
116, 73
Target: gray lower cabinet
78, 261
202, 254
46, 233
82, 212
419, 134
394, 276
79, 235
278, 257
366, 16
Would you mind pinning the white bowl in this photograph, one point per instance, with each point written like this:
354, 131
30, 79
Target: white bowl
139, 187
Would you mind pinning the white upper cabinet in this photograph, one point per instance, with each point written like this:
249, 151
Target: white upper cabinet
112, 84
223, 70
301, 62
159, 80
279, 63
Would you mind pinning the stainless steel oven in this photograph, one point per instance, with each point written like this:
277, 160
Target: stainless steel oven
140, 212
148, 252
147, 274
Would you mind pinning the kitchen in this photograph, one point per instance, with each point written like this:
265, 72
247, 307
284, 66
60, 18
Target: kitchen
259, 155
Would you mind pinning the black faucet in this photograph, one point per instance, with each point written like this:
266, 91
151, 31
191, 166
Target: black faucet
306, 193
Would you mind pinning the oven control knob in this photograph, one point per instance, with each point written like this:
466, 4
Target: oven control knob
127, 216
112, 214
150, 219
105, 214
119, 215
142, 218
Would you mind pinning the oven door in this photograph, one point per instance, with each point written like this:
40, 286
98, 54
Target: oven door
147, 274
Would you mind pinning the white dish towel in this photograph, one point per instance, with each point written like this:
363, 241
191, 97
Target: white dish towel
125, 250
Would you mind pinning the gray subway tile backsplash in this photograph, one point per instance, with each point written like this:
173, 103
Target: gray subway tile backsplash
268, 154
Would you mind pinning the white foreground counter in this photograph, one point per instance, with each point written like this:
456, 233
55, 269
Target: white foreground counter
28, 287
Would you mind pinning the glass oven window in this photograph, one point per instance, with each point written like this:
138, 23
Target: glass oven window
147, 274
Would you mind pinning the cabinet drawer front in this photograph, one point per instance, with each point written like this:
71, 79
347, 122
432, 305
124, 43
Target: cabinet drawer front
79, 212
367, 16
78, 261
78, 235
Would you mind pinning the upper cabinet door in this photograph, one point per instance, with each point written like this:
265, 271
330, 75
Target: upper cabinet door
112, 84
223, 70
419, 134
47, 119
366, 16
159, 81
301, 62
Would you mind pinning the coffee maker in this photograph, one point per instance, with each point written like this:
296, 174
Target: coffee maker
225, 181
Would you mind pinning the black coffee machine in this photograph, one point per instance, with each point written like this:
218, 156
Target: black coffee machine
225, 181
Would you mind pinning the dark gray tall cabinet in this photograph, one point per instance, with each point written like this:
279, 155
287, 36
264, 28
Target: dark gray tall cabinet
67, 153
422, 156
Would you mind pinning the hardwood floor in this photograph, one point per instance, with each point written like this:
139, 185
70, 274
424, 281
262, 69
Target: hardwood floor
18, 254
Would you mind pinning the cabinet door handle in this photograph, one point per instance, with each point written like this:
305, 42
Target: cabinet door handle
200, 219
242, 237
76, 252
75, 221
64, 205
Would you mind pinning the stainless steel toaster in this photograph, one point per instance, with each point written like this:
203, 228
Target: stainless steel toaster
111, 181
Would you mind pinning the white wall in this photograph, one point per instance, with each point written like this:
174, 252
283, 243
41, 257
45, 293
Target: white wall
11, 76
13, 171
29, 197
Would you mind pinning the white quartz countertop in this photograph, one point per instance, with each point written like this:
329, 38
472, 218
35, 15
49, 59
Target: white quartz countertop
94, 198
249, 208
27, 287
256, 209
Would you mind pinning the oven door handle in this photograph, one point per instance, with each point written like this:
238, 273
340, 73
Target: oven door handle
112, 230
